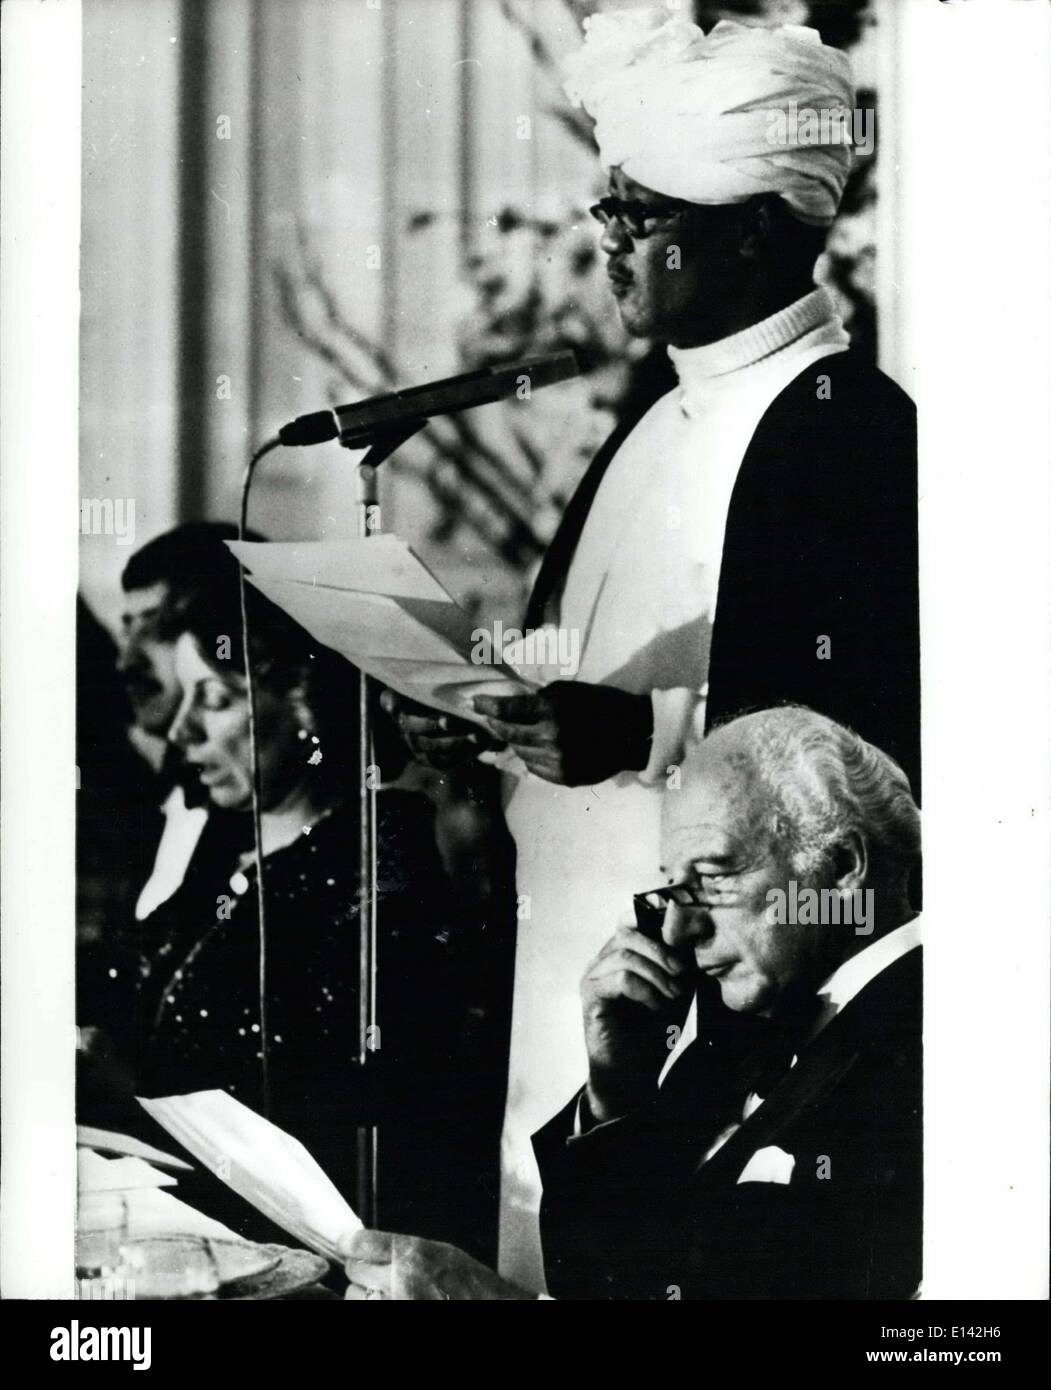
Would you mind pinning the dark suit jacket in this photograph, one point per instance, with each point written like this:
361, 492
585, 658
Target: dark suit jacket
821, 541
630, 1211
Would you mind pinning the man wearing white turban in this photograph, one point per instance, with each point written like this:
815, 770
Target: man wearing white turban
749, 541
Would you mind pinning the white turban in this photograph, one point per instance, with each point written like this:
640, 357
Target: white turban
718, 118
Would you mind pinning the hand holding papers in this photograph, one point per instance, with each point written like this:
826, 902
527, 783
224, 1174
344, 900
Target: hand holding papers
375, 603
261, 1163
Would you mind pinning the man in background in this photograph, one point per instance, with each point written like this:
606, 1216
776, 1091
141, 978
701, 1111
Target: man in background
141, 816
139, 820
165, 578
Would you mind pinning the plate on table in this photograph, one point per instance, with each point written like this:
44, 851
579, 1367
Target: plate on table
291, 1271
175, 1267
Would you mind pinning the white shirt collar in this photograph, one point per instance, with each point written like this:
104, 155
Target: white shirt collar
849, 979
761, 340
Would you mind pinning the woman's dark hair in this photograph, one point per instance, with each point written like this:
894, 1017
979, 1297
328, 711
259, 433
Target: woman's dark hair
322, 687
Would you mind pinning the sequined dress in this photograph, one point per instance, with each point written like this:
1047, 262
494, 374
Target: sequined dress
198, 995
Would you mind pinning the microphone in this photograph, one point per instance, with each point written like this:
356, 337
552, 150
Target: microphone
366, 422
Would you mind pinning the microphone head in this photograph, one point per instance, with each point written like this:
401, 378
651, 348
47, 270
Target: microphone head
548, 370
369, 421
316, 428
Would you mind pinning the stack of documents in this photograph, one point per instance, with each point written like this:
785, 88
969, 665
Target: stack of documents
106, 1141
375, 603
136, 1177
98, 1174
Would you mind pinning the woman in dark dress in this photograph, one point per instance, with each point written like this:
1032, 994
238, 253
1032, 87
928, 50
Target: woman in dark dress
198, 990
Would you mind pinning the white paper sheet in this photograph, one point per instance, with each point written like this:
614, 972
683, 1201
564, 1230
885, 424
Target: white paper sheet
381, 565
369, 625
375, 603
106, 1141
152, 1212
262, 1163
98, 1174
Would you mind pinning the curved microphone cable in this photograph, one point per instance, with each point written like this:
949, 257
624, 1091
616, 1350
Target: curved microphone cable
257, 822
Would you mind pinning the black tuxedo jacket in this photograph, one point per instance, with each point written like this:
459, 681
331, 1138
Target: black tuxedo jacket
630, 1210
820, 542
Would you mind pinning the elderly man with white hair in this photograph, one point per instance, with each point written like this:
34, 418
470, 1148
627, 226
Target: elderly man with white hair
769, 1144
750, 540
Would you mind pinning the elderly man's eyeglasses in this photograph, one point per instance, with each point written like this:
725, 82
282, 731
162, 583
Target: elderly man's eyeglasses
650, 907
633, 215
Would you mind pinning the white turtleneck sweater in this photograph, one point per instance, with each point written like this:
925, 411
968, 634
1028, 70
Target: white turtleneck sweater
641, 594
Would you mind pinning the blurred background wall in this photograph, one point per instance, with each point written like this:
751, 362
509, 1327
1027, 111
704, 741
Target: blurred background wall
288, 203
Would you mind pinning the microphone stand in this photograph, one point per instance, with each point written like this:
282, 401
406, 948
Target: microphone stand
383, 445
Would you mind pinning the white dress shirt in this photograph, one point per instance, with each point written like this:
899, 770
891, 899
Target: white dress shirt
845, 982
183, 826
